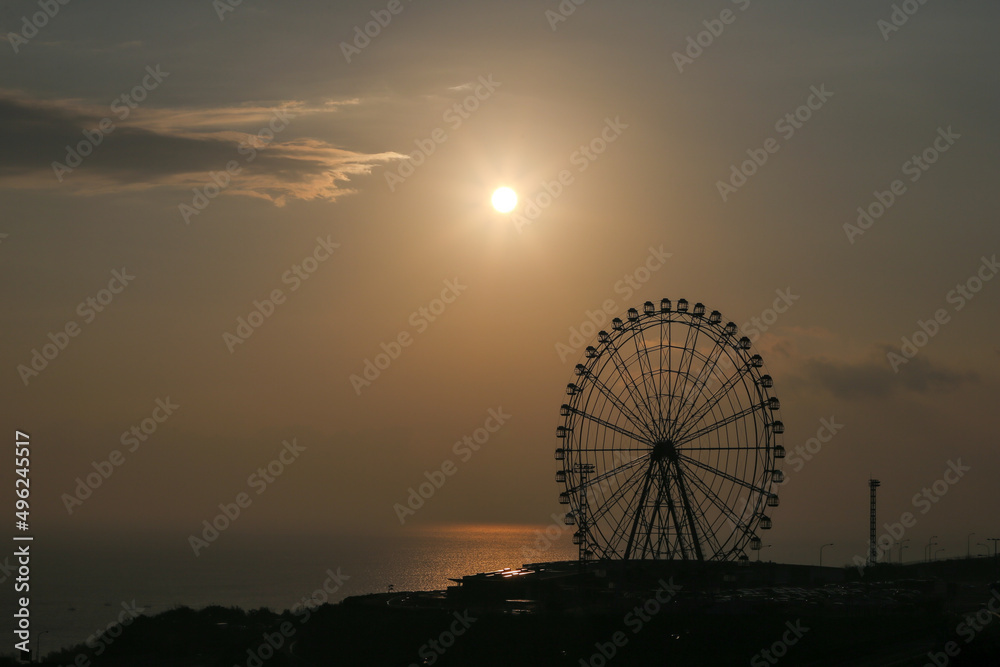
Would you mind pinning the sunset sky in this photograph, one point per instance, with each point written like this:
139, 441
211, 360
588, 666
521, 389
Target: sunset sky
182, 164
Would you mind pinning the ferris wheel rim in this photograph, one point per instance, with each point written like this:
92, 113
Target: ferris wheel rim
672, 442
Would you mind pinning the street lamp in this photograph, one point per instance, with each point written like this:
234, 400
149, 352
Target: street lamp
968, 550
985, 547
938, 551
830, 544
902, 545
927, 549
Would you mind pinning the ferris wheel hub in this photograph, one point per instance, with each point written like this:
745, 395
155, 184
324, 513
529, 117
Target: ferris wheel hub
664, 449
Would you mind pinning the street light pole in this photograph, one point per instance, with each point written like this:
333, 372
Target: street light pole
968, 549
830, 544
938, 551
927, 549
902, 545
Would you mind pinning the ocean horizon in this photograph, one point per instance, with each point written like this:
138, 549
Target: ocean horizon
77, 593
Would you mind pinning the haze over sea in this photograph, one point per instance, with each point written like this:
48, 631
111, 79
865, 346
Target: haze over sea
77, 591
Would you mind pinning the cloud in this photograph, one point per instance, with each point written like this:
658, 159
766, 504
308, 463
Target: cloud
173, 148
873, 377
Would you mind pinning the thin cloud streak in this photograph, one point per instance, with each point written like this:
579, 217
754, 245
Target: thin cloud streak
873, 377
175, 148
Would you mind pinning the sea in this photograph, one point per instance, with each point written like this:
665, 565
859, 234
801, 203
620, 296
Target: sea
81, 586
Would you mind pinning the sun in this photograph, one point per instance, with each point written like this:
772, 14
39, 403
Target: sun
504, 200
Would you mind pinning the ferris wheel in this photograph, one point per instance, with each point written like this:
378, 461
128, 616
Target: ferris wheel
670, 439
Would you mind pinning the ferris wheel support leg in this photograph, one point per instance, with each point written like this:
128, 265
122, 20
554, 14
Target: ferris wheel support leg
639, 509
656, 513
690, 513
677, 525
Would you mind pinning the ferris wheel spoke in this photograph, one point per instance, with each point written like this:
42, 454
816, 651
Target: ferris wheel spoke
717, 449
658, 381
733, 518
690, 348
678, 374
611, 473
641, 385
629, 414
619, 493
617, 449
707, 531
724, 475
647, 378
710, 402
618, 535
704, 375
614, 427
735, 417
628, 512
670, 390
630, 384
